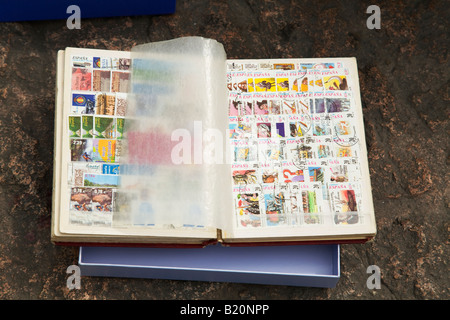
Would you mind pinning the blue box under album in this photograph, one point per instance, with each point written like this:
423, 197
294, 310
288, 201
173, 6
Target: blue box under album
292, 265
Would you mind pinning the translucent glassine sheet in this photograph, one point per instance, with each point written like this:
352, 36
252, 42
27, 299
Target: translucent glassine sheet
173, 166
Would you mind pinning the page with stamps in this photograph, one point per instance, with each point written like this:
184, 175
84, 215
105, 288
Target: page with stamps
99, 86
297, 134
92, 99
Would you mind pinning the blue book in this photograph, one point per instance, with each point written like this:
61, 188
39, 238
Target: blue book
25, 10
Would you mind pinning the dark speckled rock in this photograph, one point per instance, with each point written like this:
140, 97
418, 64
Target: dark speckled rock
404, 75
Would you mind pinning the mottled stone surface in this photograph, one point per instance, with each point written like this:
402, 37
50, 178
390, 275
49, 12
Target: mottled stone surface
404, 75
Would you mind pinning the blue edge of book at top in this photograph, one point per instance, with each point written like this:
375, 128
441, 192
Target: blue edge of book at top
25, 10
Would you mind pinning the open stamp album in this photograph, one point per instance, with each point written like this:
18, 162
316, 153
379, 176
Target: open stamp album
174, 144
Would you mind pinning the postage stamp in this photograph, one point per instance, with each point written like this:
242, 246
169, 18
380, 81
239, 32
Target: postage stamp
101, 62
74, 126
335, 82
275, 208
265, 84
105, 104
102, 199
110, 168
87, 126
337, 105
81, 150
81, 62
240, 129
120, 127
104, 150
120, 63
81, 199
345, 206
290, 173
76, 171
244, 177
264, 129
270, 175
120, 81
81, 79
83, 103
248, 209
105, 127
100, 180
101, 80
282, 84
310, 206
122, 104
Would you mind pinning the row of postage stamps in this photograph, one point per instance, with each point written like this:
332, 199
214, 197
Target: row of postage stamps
294, 138
296, 205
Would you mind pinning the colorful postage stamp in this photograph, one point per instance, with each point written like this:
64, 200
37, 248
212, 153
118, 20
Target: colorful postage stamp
81, 62
345, 206
77, 170
81, 150
244, 177
275, 210
105, 128
248, 209
265, 84
290, 173
81, 79
105, 104
110, 168
104, 150
101, 63
120, 81
101, 80
83, 103
81, 199
270, 175
100, 180
87, 126
336, 82
310, 207
102, 199
120, 127
122, 104
74, 126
